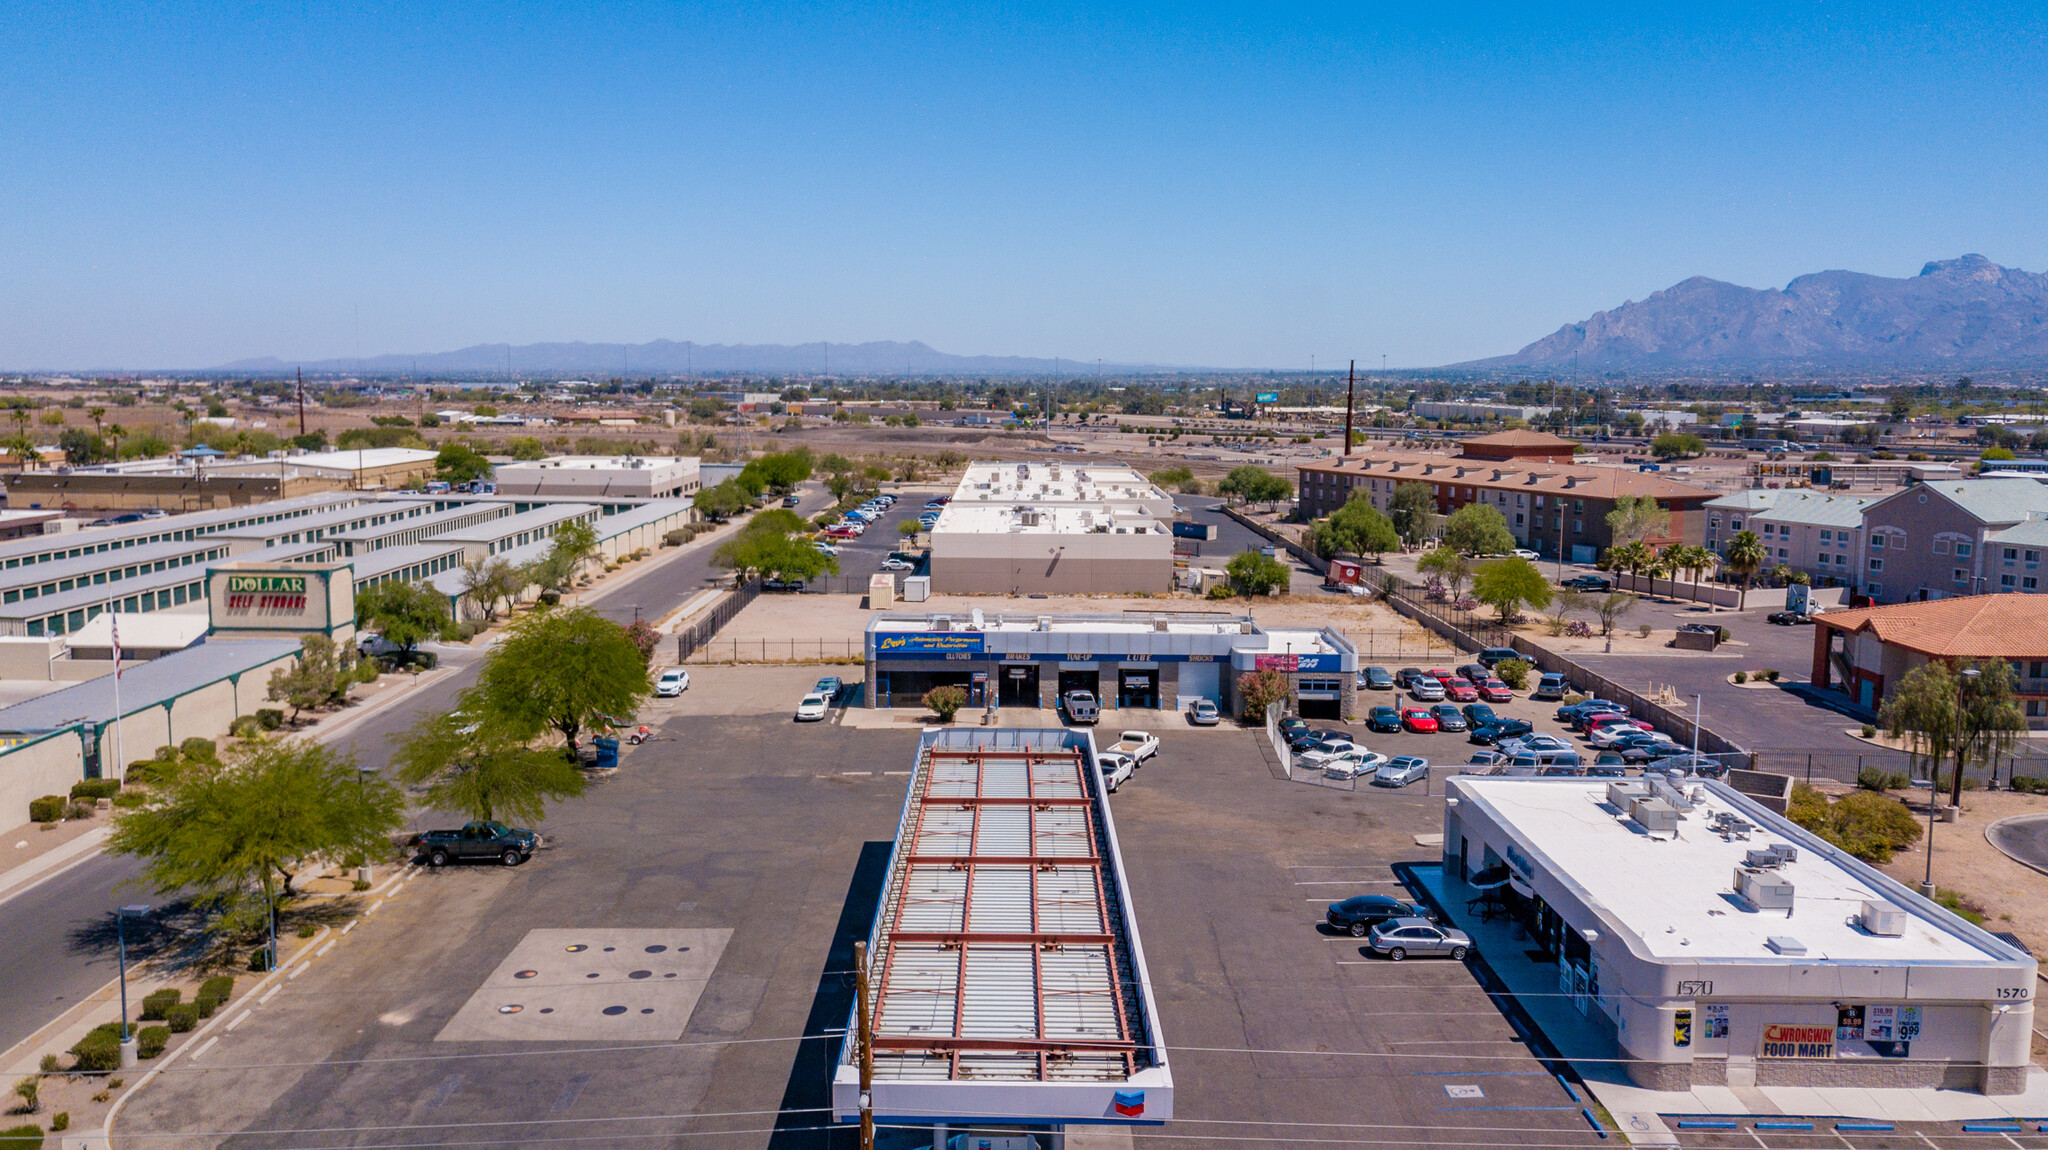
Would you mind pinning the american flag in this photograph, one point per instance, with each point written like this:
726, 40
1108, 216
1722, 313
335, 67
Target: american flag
115, 623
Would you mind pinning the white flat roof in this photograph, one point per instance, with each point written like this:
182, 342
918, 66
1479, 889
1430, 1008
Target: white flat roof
367, 457
1043, 519
1090, 624
1052, 482
600, 463
1675, 894
1297, 643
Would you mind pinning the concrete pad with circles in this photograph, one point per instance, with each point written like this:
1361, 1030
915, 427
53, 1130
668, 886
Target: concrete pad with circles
592, 985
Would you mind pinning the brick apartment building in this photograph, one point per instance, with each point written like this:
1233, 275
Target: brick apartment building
1550, 503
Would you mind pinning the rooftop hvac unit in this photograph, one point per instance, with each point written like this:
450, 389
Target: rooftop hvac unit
1655, 815
1785, 944
917, 588
939, 623
1882, 918
1777, 854
1621, 794
1764, 889
1045, 622
976, 616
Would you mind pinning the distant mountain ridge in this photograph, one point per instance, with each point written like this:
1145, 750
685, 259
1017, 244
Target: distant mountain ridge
669, 357
1954, 312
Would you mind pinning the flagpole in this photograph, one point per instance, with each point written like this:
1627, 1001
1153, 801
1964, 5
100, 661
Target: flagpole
120, 758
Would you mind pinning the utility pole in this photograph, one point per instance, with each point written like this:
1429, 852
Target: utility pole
302, 401
865, 1035
1350, 392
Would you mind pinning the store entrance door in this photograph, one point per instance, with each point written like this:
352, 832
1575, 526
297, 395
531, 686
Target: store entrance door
1019, 686
1138, 688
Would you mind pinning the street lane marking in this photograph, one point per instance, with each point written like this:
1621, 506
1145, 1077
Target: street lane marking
296, 971
373, 908
239, 1020
270, 994
323, 950
203, 1048
351, 925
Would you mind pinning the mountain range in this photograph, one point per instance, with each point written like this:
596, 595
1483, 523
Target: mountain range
669, 357
1959, 311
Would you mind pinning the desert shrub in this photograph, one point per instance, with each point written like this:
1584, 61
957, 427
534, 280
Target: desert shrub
1869, 732
1513, 672
95, 788
1879, 779
675, 538
1643, 629
61, 1120
1946, 783
48, 1065
220, 988
129, 800
1870, 826
1219, 591
1571, 699
2028, 785
1722, 634
99, 1051
30, 1091
182, 1017
78, 811
308, 930
1771, 674
1578, 629
259, 959
945, 702
151, 1040
245, 727
272, 718
1961, 904
28, 1136
47, 809
157, 1006
199, 749
1742, 676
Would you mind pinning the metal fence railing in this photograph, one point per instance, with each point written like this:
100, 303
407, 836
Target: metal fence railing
1844, 767
789, 649
694, 636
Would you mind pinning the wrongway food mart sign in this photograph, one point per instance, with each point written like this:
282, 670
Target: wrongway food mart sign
1785, 1040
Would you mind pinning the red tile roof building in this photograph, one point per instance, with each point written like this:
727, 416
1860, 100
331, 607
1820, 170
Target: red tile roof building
1867, 650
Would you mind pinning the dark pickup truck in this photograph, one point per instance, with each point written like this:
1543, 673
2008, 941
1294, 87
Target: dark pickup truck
479, 840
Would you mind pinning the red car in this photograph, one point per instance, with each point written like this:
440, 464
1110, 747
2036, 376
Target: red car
840, 533
1495, 691
1443, 676
1419, 721
1610, 720
1460, 690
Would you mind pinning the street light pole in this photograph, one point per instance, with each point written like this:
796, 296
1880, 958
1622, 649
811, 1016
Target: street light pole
128, 1055
1963, 680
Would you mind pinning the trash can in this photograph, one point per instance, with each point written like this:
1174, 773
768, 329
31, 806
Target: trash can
607, 753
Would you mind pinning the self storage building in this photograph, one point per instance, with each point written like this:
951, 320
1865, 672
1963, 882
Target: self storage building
1756, 954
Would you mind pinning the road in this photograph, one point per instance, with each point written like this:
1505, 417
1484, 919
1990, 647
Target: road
56, 941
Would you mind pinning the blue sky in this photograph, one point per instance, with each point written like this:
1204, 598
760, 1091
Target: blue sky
190, 184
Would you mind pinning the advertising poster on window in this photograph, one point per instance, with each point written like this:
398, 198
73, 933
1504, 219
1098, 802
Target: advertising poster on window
1848, 1024
1715, 1024
1889, 1030
1681, 1029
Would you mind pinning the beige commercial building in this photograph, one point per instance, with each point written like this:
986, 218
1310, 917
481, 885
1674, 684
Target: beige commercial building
1025, 528
602, 477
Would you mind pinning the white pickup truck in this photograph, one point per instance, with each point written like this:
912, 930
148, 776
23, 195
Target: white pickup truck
1139, 745
1116, 769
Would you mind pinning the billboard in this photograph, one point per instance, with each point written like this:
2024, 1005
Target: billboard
929, 643
1267, 397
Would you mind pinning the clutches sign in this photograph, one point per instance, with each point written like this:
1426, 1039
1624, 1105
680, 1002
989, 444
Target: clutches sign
1787, 1040
930, 643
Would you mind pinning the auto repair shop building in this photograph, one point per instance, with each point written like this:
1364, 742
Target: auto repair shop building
1161, 660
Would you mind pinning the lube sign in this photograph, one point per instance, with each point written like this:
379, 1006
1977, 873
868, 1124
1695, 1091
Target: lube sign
266, 595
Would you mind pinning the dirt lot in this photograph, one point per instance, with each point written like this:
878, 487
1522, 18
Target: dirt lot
2013, 897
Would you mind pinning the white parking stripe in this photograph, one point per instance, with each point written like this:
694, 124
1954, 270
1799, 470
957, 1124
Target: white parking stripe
239, 1020
203, 1048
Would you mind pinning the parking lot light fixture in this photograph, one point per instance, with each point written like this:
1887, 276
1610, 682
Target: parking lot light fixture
128, 1054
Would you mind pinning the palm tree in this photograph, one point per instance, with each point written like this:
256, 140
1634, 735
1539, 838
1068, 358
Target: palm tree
1632, 558
96, 414
1699, 561
115, 434
1746, 555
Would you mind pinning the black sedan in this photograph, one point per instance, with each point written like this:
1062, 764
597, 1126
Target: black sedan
1406, 676
1385, 719
1303, 740
1479, 714
1587, 583
1789, 618
1487, 734
1358, 914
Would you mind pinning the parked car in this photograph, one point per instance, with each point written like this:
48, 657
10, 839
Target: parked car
1499, 730
1486, 758
786, 585
1291, 726
1328, 749
1303, 740
829, 686
1400, 771
1789, 618
1460, 691
1475, 673
812, 709
1603, 729
1384, 719
1531, 744
1494, 655
1551, 686
1357, 915
1495, 691
1478, 713
1419, 721
1398, 938
825, 548
1376, 679
1139, 745
1449, 719
1081, 706
372, 644
1353, 764
672, 683
1426, 690
1525, 553
1573, 713
1116, 769
1406, 676
1608, 759
1204, 713
479, 840
1587, 583
893, 564
792, 499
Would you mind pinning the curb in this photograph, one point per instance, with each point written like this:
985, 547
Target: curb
2008, 854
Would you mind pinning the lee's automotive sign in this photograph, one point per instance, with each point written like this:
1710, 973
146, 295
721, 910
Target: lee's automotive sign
1784, 1040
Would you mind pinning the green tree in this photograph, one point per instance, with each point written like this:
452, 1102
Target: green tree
945, 702
1677, 445
83, 448
564, 670
1508, 585
1254, 485
1610, 608
460, 463
407, 614
1947, 715
367, 437
525, 448
1357, 528
721, 501
1478, 529
770, 545
476, 768
1447, 564
1171, 478
782, 470
492, 582
1255, 573
1637, 519
1259, 690
1633, 557
238, 832
1412, 510
1746, 556
574, 543
313, 681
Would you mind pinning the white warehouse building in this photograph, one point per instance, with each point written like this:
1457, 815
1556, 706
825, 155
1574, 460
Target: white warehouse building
1020, 528
602, 477
1761, 956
